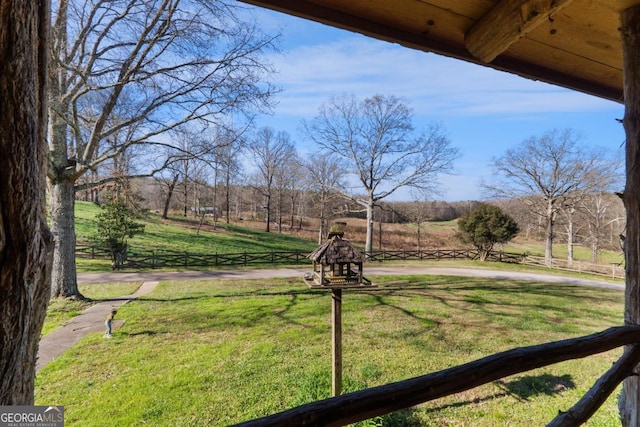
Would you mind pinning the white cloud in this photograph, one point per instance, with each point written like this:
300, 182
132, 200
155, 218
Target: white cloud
311, 74
485, 110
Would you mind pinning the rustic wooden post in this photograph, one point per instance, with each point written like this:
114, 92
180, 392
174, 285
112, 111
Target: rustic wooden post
629, 402
336, 332
335, 257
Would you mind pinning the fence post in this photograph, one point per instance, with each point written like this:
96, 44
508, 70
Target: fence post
153, 259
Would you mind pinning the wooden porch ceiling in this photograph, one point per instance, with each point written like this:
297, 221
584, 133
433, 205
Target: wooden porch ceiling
571, 43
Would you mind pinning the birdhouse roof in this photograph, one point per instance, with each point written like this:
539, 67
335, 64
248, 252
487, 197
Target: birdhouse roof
336, 251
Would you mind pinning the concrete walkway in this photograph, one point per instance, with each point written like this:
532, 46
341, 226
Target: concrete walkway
92, 319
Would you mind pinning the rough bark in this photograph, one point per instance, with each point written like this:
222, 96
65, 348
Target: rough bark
25, 241
629, 402
61, 173
64, 281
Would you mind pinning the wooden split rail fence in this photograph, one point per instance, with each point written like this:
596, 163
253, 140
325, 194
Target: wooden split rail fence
165, 259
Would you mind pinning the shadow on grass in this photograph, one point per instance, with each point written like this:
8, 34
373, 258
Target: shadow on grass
403, 418
521, 389
489, 297
528, 386
147, 333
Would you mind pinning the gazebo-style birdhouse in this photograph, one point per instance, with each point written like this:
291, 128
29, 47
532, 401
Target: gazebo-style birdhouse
333, 263
332, 270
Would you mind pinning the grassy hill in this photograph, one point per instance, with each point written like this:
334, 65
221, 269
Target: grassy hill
186, 234
182, 234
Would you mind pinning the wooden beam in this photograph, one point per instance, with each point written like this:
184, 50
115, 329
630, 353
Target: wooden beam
506, 23
629, 403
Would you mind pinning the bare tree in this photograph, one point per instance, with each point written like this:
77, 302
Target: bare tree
600, 213
270, 151
550, 171
377, 140
571, 226
25, 241
156, 63
418, 211
229, 144
289, 181
327, 182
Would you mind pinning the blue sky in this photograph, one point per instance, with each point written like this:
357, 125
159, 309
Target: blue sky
483, 111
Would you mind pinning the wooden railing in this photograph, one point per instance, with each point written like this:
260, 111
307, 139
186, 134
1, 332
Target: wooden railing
442, 254
372, 402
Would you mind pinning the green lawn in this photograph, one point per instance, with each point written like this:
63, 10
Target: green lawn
214, 353
159, 235
180, 236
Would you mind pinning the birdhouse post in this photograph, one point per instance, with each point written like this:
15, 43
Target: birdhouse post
332, 270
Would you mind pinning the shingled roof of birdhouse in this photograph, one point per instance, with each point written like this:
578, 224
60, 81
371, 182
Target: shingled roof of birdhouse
336, 251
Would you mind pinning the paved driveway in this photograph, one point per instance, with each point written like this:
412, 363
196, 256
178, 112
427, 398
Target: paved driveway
109, 277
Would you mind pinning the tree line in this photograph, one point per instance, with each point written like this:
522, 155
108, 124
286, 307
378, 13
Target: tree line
170, 89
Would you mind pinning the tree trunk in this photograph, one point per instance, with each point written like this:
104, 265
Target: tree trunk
185, 194
570, 239
64, 282
595, 250
25, 241
293, 207
321, 230
629, 403
368, 244
268, 213
61, 174
227, 197
167, 201
548, 245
